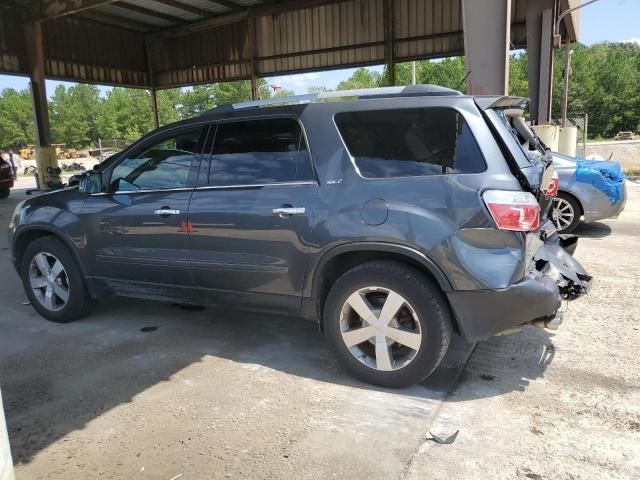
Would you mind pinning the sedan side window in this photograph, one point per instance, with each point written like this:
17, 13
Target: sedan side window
160, 166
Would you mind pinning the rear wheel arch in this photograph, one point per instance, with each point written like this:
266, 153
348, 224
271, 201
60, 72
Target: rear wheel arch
341, 259
578, 201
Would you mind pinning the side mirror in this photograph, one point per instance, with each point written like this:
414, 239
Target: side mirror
92, 183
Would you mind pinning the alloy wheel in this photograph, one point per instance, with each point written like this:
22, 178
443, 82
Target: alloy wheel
380, 328
49, 281
562, 213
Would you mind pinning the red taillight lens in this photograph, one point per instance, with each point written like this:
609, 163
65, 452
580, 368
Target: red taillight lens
517, 211
554, 184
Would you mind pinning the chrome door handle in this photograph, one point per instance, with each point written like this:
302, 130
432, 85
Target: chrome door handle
166, 212
288, 211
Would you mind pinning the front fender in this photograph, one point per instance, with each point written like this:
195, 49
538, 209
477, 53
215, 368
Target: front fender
55, 214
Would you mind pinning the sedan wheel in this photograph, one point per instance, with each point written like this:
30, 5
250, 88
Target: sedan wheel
562, 213
380, 328
49, 281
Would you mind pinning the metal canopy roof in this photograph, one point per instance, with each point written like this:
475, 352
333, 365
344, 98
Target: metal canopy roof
169, 43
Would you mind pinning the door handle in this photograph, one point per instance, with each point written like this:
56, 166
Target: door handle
165, 212
288, 211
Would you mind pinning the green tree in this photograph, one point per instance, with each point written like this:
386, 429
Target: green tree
125, 113
16, 118
169, 103
361, 78
73, 115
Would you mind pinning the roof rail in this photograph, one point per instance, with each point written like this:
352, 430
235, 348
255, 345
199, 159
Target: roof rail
360, 93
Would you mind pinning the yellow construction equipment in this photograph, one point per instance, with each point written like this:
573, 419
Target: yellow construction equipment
28, 152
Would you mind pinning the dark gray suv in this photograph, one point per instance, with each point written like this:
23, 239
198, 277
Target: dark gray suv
393, 217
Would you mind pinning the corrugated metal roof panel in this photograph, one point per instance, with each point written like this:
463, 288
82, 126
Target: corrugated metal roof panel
165, 9
139, 17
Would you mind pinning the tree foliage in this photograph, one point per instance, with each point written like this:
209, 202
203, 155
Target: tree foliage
605, 83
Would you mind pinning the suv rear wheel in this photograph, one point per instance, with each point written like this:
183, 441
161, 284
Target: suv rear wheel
53, 282
387, 323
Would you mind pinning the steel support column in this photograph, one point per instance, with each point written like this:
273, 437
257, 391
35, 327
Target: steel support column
539, 18
46, 159
389, 50
487, 31
152, 83
251, 24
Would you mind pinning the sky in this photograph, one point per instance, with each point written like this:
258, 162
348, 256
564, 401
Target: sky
605, 20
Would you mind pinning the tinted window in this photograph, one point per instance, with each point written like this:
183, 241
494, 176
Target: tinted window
410, 142
259, 152
163, 165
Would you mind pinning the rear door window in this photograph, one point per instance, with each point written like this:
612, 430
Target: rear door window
259, 152
410, 142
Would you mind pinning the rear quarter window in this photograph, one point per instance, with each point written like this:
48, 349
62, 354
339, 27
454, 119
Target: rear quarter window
410, 142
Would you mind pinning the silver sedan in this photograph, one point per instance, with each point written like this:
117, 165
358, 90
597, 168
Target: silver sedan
578, 198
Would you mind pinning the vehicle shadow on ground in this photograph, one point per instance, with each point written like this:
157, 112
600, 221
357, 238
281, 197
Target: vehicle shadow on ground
593, 230
71, 374
506, 364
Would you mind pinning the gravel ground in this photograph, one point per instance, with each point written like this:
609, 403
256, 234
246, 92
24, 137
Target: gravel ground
219, 394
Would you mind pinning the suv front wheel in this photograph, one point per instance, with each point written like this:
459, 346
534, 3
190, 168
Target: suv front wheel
53, 282
387, 323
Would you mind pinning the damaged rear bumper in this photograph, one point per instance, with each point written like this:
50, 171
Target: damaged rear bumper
552, 275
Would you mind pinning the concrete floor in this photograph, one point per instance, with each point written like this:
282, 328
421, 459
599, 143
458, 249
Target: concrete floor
222, 394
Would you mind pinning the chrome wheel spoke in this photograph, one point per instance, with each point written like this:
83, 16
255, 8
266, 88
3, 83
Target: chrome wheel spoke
57, 269
391, 307
383, 354
357, 336
43, 264
38, 282
62, 293
48, 299
404, 337
360, 306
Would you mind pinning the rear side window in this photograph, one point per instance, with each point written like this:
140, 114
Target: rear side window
255, 152
410, 142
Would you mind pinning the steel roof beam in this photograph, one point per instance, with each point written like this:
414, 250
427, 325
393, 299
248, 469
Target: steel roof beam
186, 8
117, 21
231, 5
50, 9
149, 13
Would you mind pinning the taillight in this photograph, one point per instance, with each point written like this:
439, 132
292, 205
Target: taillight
517, 211
554, 184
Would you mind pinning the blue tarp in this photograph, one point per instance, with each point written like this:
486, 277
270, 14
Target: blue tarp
603, 175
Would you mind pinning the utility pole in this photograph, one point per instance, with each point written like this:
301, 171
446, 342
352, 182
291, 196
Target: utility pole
413, 72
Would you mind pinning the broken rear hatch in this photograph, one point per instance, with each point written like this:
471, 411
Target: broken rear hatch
550, 255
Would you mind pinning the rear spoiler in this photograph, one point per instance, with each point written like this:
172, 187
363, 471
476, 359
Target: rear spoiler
488, 102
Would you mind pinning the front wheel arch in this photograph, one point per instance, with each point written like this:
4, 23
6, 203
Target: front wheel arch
29, 234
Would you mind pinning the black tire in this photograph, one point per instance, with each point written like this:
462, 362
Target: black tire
79, 302
577, 211
4, 192
427, 302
